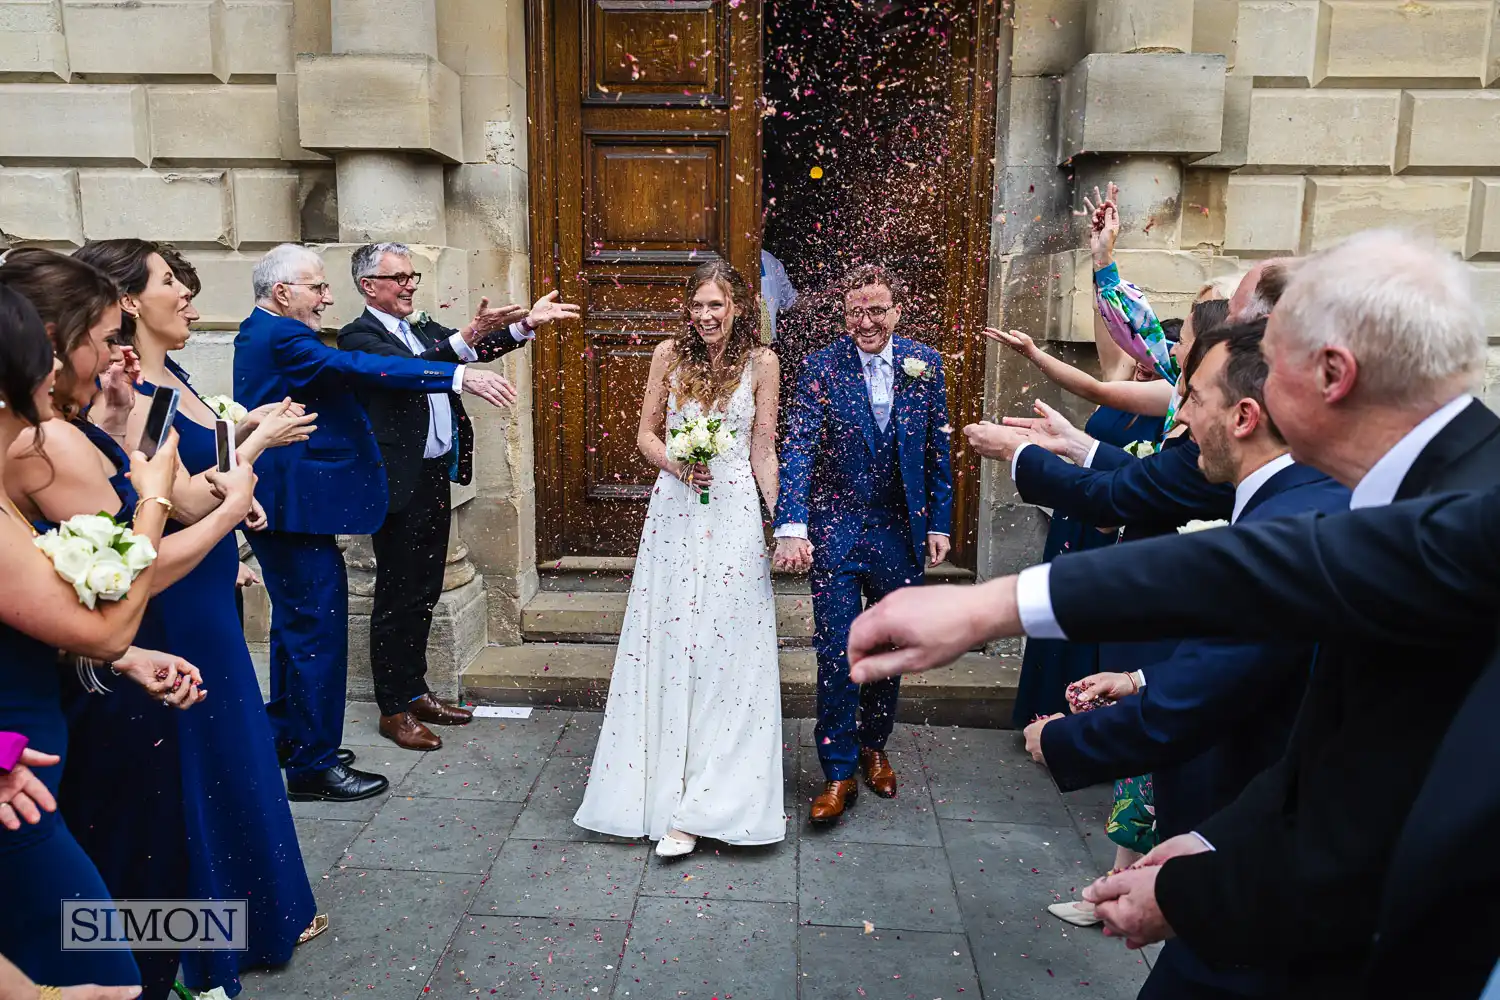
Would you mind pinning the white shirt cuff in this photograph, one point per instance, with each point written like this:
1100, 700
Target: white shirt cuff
458, 379
1139, 676
1016, 457
1204, 841
1034, 602
1088, 460
792, 531
521, 334
943, 533
461, 348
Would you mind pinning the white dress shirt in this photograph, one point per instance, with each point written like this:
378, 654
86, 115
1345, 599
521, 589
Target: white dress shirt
881, 387
1379, 485
775, 288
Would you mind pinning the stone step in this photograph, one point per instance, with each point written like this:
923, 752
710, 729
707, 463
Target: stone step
977, 690
596, 616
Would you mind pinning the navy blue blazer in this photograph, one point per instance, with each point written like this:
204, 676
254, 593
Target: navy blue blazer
830, 441
1211, 717
1156, 493
333, 483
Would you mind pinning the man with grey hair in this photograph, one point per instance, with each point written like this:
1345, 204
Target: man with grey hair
332, 484
1374, 353
426, 443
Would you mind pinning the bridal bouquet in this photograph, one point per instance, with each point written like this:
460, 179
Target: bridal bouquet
226, 408
697, 441
99, 557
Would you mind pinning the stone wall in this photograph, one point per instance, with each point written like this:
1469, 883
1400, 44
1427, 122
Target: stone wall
1237, 130
227, 126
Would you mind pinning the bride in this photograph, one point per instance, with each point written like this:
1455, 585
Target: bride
691, 743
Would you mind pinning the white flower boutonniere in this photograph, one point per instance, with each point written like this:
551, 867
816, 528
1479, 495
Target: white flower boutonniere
226, 408
1193, 526
418, 318
1140, 449
915, 368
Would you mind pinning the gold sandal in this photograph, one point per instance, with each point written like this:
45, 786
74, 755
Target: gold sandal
318, 926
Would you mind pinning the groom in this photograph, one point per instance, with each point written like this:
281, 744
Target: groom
866, 496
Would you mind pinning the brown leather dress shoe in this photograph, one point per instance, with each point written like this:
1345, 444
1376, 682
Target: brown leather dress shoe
878, 772
837, 795
428, 709
406, 732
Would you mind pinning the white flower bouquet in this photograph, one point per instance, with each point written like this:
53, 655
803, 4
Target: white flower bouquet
1192, 526
99, 557
226, 408
698, 441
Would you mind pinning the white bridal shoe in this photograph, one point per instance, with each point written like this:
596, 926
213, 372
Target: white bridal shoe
675, 845
1079, 913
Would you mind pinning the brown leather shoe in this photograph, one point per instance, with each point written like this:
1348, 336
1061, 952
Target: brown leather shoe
430, 710
837, 795
878, 772
406, 732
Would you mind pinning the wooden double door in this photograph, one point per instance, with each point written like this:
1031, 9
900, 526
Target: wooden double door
645, 161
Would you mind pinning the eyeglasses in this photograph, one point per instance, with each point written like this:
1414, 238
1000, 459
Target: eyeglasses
401, 279
877, 313
318, 286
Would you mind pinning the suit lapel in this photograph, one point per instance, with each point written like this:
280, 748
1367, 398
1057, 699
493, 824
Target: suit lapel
374, 324
857, 392
1287, 479
1473, 426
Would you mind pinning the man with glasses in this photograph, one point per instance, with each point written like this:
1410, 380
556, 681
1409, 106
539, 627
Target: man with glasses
866, 497
332, 484
426, 442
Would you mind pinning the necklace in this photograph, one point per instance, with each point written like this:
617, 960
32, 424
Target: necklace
19, 516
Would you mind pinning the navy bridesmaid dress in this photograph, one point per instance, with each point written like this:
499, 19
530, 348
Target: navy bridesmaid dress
121, 786
1050, 665
241, 840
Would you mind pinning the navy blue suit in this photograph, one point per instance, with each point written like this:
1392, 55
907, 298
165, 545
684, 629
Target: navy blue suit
332, 484
869, 499
1210, 719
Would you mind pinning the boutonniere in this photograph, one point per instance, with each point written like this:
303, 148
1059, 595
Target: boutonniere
226, 408
418, 318
916, 368
1140, 449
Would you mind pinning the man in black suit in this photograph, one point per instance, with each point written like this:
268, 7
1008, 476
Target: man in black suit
426, 442
1373, 352
1217, 712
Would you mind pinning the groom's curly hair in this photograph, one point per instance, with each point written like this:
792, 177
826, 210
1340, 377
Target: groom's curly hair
690, 365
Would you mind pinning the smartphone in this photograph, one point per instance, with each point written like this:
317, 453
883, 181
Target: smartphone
224, 444
158, 420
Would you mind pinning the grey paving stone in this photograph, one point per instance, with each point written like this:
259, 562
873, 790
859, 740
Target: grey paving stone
485, 762
555, 800
386, 932
908, 818
840, 962
433, 835
580, 736
892, 886
511, 958
362, 726
1090, 808
550, 878
986, 775
719, 871
1006, 875
323, 842
363, 810
710, 948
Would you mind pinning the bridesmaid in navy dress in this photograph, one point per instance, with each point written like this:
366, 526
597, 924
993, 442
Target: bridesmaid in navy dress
43, 862
241, 840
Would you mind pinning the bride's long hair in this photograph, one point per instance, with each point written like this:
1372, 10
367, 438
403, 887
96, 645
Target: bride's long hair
695, 377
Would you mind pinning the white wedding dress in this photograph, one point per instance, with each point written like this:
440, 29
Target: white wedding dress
692, 730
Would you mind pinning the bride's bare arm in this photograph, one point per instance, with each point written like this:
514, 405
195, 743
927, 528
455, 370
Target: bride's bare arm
763, 433
648, 436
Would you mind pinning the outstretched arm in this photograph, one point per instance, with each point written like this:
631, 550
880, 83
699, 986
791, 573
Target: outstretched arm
1149, 399
302, 358
1160, 488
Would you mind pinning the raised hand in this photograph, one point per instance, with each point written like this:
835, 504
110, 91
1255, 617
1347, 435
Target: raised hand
489, 320
1015, 340
286, 423
154, 477
117, 385
793, 555
23, 796
548, 308
489, 386
170, 678
1104, 224
996, 441
1054, 432
918, 628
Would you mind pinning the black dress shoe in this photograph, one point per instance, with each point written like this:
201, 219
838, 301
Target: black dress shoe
343, 754
340, 783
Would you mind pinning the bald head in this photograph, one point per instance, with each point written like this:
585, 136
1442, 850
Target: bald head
1260, 289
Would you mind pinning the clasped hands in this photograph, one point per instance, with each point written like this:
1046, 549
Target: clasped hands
1126, 901
794, 555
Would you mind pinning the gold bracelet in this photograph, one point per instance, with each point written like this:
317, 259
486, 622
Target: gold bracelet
145, 500
49, 993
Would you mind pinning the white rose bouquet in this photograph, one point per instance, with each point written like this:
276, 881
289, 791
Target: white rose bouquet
698, 441
226, 408
99, 557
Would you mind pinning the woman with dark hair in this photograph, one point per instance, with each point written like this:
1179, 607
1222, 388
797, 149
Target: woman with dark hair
41, 614
240, 837
691, 744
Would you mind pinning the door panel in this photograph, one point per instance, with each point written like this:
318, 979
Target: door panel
644, 163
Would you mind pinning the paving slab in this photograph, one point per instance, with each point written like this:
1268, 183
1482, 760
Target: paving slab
552, 878
837, 962
893, 886
418, 833
323, 842
733, 950
512, 958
